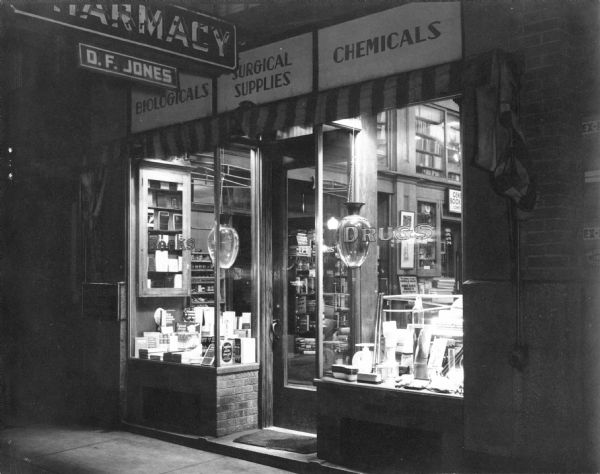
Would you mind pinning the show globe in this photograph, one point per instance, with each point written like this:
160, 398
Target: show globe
352, 244
228, 248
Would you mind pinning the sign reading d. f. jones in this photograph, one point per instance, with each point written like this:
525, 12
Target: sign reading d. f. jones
118, 64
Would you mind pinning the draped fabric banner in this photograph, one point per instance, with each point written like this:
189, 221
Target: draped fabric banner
493, 139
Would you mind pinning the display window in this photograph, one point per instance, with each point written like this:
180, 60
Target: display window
195, 300
410, 338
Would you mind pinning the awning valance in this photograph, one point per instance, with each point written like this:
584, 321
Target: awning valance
370, 97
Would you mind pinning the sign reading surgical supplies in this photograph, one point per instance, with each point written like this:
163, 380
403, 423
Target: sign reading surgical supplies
161, 27
116, 64
154, 108
405, 38
268, 73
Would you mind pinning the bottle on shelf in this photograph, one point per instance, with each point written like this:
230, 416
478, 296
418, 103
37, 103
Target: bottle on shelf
418, 314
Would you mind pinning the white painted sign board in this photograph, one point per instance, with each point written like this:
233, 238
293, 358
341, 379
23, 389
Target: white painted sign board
409, 37
154, 108
268, 73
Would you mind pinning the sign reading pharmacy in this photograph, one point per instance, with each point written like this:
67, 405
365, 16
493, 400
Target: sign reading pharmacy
405, 38
268, 73
116, 64
166, 28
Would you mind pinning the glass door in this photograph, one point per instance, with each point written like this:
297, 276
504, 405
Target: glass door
304, 233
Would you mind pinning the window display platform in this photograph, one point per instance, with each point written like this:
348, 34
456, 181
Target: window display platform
192, 399
349, 411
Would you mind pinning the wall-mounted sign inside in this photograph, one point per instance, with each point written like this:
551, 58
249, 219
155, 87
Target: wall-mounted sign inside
454, 201
152, 108
404, 38
166, 28
117, 64
272, 72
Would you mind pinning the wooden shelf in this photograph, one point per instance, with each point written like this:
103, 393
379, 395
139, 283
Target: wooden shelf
419, 150
159, 208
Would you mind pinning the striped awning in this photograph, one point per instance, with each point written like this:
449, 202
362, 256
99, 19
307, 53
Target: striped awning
370, 97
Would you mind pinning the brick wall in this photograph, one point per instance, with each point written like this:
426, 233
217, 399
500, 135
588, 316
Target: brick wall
544, 414
237, 402
549, 114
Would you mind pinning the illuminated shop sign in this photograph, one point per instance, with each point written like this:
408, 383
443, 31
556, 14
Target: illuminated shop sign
421, 233
272, 72
405, 38
121, 65
166, 28
153, 108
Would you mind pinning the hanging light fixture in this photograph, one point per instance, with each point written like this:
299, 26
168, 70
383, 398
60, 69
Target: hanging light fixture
352, 241
229, 240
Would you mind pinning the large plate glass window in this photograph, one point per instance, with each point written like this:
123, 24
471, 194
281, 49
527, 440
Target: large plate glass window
414, 340
182, 296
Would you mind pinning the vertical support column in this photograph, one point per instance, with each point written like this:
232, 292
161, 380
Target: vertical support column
217, 196
365, 176
320, 310
262, 213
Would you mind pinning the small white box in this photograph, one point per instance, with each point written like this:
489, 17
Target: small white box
140, 343
173, 264
152, 339
161, 260
245, 350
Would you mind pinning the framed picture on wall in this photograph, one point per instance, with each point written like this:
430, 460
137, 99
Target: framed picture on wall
406, 220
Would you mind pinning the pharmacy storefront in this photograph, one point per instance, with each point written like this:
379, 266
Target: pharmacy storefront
318, 302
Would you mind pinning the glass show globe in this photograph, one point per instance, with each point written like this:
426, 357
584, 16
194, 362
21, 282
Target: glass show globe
228, 248
352, 236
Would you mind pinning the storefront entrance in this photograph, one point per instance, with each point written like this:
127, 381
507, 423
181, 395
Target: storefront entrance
293, 332
309, 186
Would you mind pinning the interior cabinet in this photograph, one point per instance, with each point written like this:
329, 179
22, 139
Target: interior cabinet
437, 142
203, 281
164, 232
428, 258
429, 123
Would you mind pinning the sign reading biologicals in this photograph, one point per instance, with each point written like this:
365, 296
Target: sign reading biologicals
154, 108
409, 37
166, 28
268, 73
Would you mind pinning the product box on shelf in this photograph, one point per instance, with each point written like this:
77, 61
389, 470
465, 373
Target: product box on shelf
244, 350
345, 372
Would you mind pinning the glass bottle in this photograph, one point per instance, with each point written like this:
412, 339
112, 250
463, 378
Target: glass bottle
418, 314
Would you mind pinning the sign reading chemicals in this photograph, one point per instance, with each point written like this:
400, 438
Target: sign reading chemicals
151, 109
122, 65
167, 28
272, 72
405, 38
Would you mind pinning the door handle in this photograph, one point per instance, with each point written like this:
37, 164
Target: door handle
276, 330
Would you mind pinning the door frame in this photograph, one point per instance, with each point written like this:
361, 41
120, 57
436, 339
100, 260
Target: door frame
271, 275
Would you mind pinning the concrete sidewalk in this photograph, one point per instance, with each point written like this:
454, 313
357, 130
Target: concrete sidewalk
58, 449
